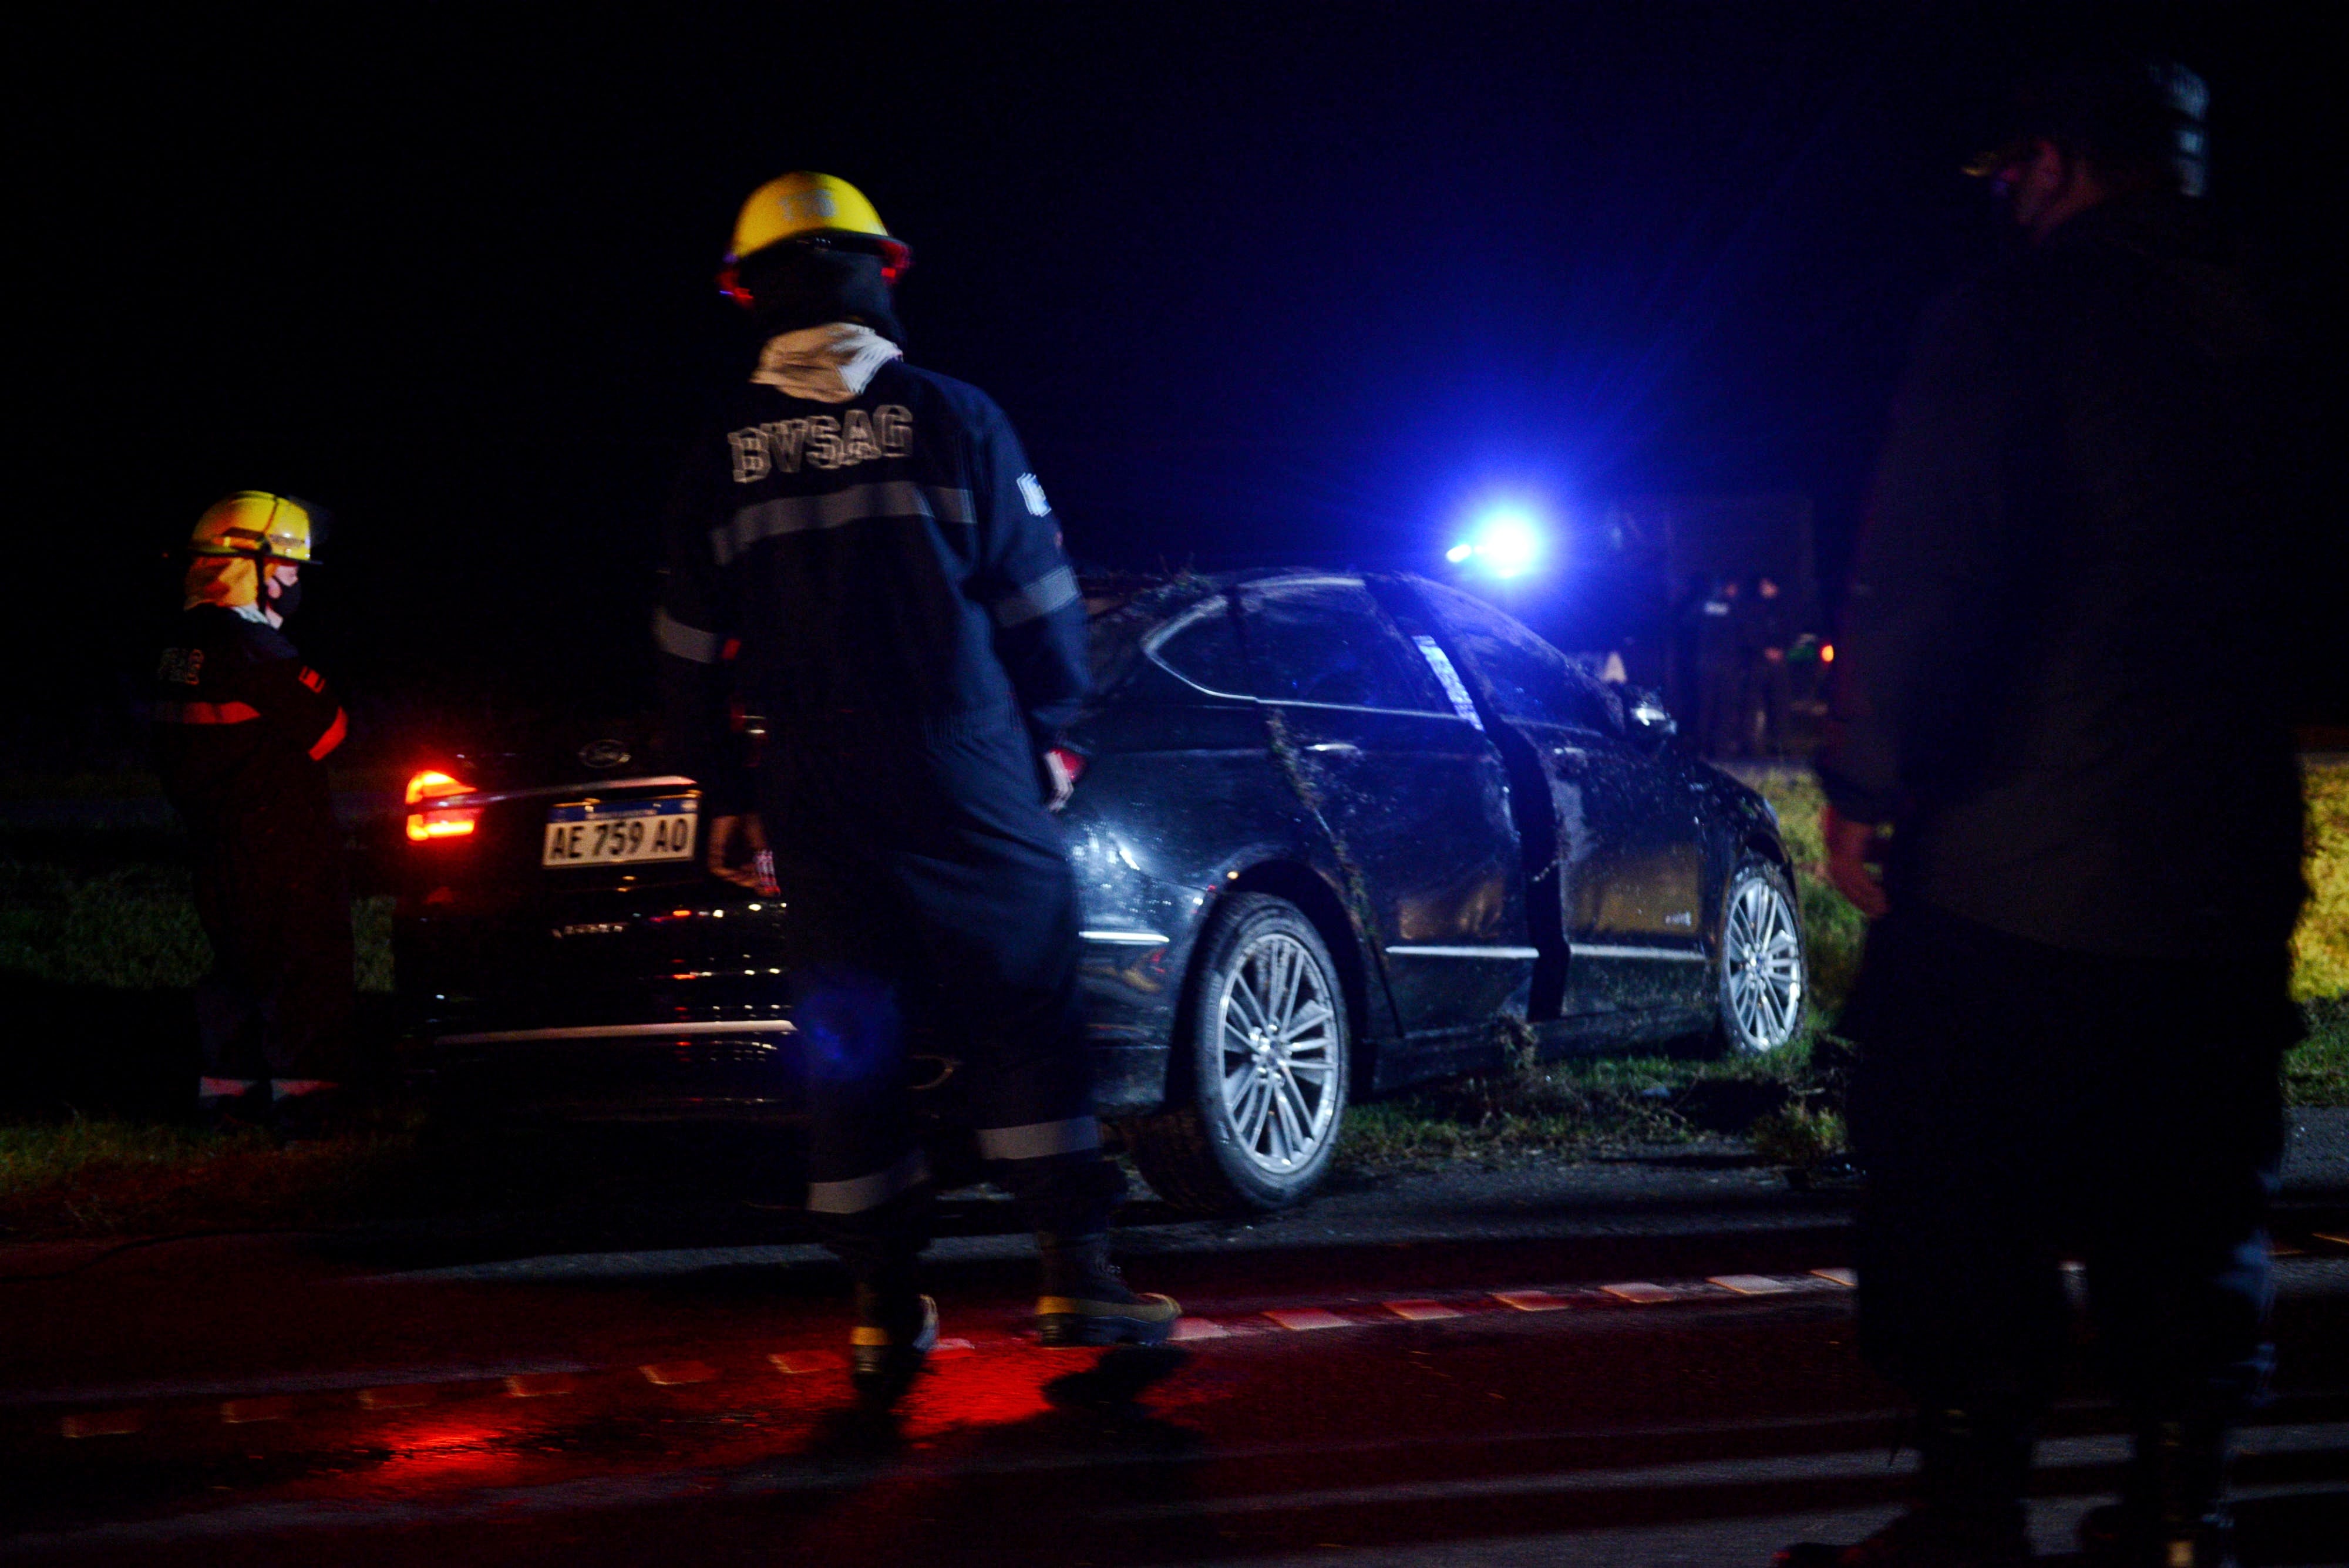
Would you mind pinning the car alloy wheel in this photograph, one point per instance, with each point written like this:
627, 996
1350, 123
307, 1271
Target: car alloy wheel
1278, 1032
1258, 1095
1762, 985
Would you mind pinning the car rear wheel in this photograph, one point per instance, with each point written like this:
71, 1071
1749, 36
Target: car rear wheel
1264, 1094
1765, 985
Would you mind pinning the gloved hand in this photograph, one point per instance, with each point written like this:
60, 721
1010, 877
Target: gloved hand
1059, 780
737, 852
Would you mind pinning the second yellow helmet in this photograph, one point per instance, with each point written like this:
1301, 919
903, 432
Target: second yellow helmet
253, 523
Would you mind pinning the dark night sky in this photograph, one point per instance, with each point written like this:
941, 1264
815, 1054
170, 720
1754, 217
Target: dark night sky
1281, 281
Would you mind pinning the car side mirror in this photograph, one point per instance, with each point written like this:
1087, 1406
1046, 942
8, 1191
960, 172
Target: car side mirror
1645, 718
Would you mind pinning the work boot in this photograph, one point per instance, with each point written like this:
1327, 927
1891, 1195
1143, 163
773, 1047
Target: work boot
1968, 1511
1086, 1300
896, 1329
2173, 1510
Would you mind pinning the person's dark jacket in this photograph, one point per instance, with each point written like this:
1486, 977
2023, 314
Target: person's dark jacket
241, 724
883, 568
2060, 671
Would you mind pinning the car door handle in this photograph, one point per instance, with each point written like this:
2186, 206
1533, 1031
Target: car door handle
1335, 749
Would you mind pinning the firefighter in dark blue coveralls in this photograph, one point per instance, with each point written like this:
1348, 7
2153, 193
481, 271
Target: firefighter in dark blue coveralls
2064, 645
869, 537
242, 731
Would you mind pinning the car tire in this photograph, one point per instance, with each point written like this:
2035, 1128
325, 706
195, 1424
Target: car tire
1763, 990
1259, 1099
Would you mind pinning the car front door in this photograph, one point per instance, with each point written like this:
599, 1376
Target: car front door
1412, 792
1630, 850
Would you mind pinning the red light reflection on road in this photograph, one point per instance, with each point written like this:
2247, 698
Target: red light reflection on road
448, 1451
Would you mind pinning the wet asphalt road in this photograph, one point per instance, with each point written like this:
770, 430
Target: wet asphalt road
1638, 1363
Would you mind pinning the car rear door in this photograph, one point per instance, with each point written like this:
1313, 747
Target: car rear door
1630, 841
1412, 792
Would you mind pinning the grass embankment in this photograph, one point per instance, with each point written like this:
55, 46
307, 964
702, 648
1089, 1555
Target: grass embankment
99, 944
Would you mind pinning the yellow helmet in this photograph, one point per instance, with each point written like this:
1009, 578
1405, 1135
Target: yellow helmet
807, 205
253, 523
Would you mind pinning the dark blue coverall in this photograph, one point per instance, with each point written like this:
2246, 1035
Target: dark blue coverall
241, 729
910, 631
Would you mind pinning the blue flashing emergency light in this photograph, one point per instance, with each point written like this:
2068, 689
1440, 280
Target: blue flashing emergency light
1506, 542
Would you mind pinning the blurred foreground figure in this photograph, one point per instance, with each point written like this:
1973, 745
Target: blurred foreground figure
869, 540
2061, 690
243, 728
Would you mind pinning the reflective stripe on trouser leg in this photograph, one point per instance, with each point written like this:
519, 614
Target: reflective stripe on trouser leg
1040, 1140
226, 1088
294, 1088
858, 1194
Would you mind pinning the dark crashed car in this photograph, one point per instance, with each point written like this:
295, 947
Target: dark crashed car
1334, 833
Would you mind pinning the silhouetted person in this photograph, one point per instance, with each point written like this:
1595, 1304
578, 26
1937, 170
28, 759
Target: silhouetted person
2058, 684
1762, 638
1716, 631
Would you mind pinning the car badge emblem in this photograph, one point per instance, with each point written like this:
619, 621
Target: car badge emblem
602, 754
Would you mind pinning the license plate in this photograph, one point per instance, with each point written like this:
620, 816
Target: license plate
619, 833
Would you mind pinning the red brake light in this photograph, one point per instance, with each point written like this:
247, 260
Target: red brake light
1072, 763
438, 822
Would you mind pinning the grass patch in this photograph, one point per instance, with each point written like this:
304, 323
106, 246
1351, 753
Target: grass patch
2317, 1071
111, 1178
1581, 1107
111, 908
71, 914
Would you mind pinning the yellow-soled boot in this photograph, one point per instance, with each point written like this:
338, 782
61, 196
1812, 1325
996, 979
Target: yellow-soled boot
1085, 1301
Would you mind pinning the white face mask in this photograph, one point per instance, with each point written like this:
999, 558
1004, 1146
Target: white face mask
279, 598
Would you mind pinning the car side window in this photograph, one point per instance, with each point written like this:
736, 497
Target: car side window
1203, 647
1528, 679
1325, 641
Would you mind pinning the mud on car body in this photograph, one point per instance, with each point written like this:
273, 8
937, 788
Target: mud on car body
1329, 829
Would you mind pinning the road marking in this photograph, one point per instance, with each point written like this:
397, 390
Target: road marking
256, 1401
540, 1385
402, 1397
1530, 1301
1639, 1293
241, 1412
2338, 1240
117, 1395
1302, 1320
1421, 1312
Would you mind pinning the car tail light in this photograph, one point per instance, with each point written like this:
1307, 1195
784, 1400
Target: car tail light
438, 822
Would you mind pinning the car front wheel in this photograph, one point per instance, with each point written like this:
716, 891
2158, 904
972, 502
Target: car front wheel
1258, 1114
1764, 986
